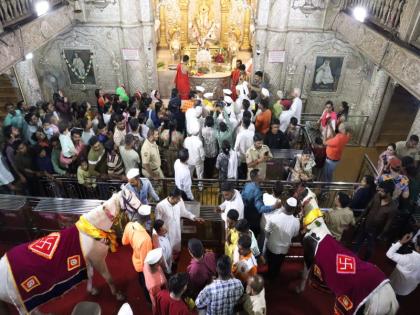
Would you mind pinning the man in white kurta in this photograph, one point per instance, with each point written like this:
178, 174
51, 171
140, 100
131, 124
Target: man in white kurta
170, 210
195, 148
294, 111
232, 200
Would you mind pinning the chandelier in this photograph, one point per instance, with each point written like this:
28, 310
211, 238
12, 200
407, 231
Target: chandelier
308, 6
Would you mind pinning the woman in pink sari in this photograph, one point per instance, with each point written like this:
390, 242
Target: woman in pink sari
328, 117
153, 275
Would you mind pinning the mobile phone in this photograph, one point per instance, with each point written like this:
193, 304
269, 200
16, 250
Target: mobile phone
266, 153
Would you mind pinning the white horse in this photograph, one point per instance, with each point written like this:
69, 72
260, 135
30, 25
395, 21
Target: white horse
95, 251
380, 301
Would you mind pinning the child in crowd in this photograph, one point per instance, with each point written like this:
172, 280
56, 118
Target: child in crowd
160, 239
242, 226
83, 176
232, 234
244, 263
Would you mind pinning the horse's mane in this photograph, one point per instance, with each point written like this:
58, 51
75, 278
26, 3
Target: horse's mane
101, 216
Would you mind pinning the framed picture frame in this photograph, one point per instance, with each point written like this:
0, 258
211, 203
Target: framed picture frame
79, 65
327, 74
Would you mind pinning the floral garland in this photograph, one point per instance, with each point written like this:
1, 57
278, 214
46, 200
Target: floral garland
75, 72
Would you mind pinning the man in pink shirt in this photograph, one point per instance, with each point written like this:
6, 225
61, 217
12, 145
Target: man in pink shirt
202, 267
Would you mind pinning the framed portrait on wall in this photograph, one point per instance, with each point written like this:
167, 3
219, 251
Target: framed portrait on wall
79, 63
327, 73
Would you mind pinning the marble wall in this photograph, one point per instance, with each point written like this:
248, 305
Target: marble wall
105, 32
52, 70
303, 38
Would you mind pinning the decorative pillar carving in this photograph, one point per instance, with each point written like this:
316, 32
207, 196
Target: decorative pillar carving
246, 40
224, 20
163, 41
28, 82
183, 6
149, 81
375, 104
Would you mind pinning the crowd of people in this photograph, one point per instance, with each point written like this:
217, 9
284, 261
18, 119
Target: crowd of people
234, 132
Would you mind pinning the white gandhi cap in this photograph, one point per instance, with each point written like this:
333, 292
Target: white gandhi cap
200, 88
227, 92
133, 173
153, 256
144, 210
292, 202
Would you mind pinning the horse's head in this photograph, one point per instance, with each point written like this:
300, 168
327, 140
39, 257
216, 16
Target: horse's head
128, 201
309, 205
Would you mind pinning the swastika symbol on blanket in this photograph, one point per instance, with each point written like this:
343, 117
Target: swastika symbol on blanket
345, 264
46, 246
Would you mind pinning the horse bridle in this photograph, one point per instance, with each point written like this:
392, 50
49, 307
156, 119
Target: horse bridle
131, 211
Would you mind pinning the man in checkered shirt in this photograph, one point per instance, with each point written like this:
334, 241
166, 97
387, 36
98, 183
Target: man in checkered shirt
221, 296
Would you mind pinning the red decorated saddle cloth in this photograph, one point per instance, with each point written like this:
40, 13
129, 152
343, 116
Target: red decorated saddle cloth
48, 267
351, 279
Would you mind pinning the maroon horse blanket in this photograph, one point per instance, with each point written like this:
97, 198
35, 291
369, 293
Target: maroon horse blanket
351, 279
48, 267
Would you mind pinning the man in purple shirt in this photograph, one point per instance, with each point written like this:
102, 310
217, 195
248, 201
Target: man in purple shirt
202, 267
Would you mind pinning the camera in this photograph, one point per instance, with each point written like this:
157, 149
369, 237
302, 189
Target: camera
258, 52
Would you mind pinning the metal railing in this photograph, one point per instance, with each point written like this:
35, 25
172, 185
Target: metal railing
206, 191
384, 13
14, 11
357, 124
367, 168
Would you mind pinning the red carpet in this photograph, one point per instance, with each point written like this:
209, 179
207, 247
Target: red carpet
281, 298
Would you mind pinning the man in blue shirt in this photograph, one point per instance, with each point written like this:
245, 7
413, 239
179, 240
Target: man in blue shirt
142, 187
253, 202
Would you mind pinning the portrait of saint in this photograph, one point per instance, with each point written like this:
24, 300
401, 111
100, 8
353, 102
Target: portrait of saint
79, 66
327, 73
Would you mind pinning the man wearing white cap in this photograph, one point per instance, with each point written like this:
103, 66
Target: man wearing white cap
280, 228
170, 210
137, 236
295, 110
194, 145
200, 92
153, 274
142, 187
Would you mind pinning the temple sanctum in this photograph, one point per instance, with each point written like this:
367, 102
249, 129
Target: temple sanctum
213, 33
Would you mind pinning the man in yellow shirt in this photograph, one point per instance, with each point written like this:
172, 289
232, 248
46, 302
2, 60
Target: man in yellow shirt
137, 236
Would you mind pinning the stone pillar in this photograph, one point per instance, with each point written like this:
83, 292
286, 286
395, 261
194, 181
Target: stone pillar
28, 82
149, 75
132, 38
375, 104
415, 127
260, 35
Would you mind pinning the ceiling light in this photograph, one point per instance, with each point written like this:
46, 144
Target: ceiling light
29, 56
42, 7
360, 14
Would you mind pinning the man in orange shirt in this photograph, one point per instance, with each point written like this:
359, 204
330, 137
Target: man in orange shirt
137, 236
263, 120
244, 262
335, 147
